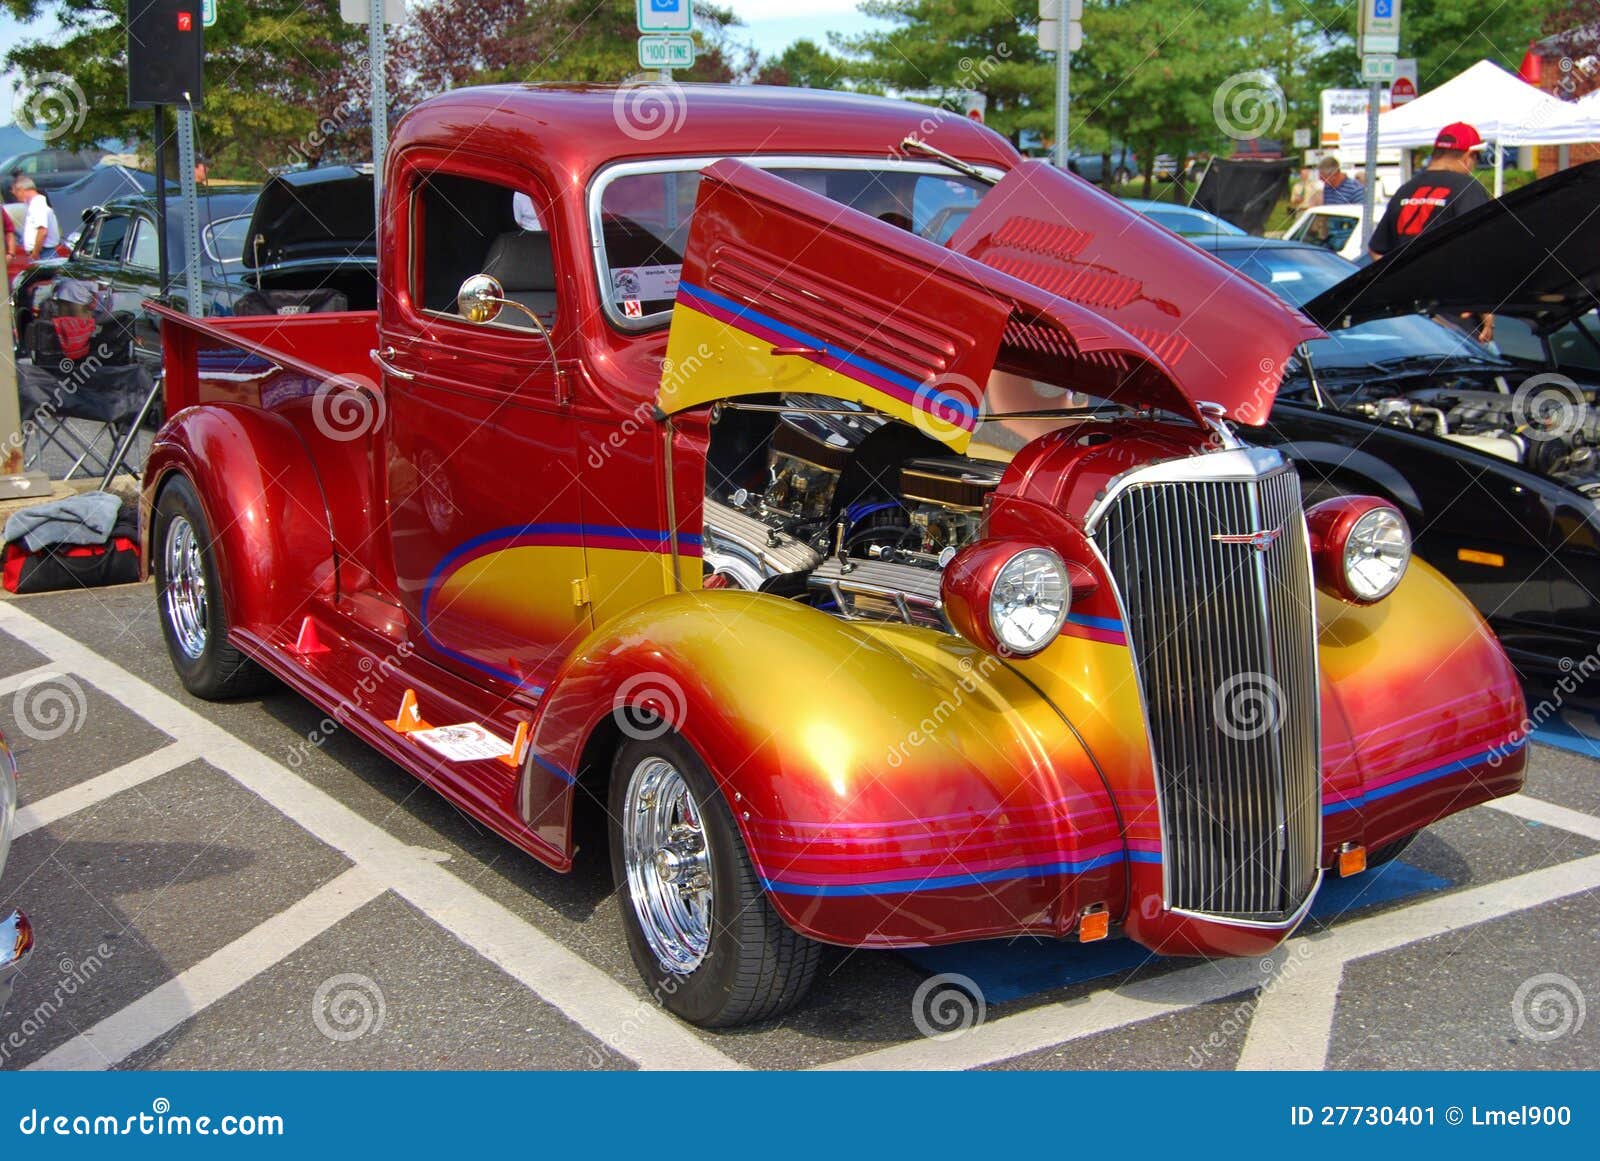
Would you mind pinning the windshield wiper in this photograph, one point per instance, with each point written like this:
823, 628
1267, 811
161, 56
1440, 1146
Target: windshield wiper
1436, 363
914, 144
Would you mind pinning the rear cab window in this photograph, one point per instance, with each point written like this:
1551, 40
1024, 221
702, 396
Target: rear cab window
640, 213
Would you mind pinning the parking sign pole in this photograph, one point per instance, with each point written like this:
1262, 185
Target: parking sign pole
1370, 201
376, 43
191, 210
1063, 80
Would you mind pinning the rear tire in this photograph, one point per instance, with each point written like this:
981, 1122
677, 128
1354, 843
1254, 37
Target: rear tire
189, 595
701, 930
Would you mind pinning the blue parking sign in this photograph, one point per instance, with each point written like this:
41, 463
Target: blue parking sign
665, 15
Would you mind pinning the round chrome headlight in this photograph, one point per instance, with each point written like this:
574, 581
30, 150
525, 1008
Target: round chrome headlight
1029, 601
1376, 553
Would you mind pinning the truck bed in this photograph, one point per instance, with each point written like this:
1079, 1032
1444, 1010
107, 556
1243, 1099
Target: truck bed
243, 359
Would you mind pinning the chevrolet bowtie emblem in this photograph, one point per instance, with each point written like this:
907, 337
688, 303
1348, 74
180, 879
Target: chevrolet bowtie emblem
1260, 541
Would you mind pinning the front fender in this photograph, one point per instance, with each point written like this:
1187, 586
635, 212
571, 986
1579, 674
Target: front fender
1422, 711
269, 522
894, 786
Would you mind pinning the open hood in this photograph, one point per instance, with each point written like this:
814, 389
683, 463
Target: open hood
313, 216
784, 290
1533, 254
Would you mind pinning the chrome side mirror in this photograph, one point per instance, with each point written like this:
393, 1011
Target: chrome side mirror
480, 298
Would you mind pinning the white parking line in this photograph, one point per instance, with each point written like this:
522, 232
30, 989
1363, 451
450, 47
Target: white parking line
1293, 1016
562, 978
156, 1013
10, 685
1058, 1024
96, 790
1549, 814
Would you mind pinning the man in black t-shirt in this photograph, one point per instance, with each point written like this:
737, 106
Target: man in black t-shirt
1445, 190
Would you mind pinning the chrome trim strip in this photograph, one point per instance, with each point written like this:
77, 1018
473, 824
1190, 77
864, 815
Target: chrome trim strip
1241, 463
610, 173
1291, 922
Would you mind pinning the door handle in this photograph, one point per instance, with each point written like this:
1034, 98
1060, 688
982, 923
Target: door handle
381, 359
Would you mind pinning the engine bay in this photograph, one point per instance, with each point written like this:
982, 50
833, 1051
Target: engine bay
1556, 432
837, 506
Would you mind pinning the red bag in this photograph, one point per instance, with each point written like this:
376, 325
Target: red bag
70, 566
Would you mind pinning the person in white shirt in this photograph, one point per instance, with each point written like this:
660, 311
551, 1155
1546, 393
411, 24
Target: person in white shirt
41, 234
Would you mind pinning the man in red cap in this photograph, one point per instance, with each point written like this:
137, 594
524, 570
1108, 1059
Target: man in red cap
1445, 190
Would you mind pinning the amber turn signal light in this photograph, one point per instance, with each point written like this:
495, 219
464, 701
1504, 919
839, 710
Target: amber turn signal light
1478, 556
1352, 860
1094, 925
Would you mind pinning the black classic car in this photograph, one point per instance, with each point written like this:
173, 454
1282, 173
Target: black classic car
116, 250
1492, 452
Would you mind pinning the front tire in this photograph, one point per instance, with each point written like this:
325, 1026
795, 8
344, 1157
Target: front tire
189, 594
701, 929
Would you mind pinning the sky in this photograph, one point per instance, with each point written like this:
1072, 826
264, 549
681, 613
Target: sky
769, 25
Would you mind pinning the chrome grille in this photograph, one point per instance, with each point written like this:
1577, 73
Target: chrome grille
1222, 633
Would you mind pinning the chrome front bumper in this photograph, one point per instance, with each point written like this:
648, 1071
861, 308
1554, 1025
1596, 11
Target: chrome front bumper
16, 944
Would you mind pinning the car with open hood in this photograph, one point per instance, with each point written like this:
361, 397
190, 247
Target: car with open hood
869, 591
1493, 453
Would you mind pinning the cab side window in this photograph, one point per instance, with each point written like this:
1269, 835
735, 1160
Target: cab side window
144, 253
464, 227
109, 234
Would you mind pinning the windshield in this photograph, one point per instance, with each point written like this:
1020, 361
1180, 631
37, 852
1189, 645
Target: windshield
640, 215
1182, 221
1298, 275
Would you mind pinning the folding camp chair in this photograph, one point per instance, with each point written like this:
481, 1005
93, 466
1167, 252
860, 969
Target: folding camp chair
80, 373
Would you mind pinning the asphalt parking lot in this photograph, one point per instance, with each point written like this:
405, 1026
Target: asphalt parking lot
213, 889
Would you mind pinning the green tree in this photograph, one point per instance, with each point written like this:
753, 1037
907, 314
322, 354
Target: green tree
458, 42
940, 49
1449, 36
805, 64
282, 78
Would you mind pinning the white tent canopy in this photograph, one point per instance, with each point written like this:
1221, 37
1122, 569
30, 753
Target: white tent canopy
1503, 108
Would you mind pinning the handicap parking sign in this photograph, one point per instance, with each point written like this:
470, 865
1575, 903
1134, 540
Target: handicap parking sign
665, 15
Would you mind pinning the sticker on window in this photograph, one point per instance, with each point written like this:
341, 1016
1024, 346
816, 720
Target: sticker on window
631, 308
645, 283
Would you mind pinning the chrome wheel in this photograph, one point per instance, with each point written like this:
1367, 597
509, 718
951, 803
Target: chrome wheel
185, 594
668, 865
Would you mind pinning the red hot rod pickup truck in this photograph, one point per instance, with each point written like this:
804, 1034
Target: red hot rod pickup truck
881, 592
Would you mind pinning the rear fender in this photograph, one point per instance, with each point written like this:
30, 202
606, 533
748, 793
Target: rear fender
263, 502
894, 786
